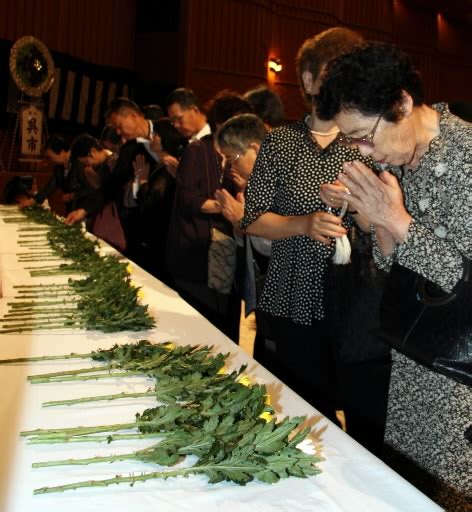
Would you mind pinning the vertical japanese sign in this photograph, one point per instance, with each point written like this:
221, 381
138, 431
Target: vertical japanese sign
31, 135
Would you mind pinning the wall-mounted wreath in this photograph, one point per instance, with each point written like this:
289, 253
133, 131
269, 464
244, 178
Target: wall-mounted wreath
31, 66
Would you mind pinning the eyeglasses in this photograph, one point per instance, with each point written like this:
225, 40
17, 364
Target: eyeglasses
232, 161
365, 140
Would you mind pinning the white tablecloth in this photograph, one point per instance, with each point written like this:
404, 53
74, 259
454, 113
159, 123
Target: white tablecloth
352, 479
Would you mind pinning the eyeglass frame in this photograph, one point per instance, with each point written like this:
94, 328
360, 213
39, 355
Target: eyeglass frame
231, 161
365, 140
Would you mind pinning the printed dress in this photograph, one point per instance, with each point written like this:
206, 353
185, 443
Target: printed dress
429, 413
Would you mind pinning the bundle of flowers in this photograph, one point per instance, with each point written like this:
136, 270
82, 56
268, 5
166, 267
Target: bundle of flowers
202, 410
103, 299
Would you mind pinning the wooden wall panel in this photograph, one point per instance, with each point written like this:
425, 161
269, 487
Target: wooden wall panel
101, 32
414, 26
228, 42
227, 45
454, 40
371, 17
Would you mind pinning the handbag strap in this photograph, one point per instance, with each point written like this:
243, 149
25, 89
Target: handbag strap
431, 300
467, 274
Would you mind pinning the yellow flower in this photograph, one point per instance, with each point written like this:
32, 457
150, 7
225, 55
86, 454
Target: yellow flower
222, 371
267, 400
244, 380
140, 294
169, 346
266, 416
129, 268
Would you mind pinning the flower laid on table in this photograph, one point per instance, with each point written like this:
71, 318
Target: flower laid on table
99, 294
228, 425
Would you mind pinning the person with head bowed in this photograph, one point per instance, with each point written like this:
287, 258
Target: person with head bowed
239, 140
417, 200
196, 213
283, 204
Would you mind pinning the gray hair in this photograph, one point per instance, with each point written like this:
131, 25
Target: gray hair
240, 131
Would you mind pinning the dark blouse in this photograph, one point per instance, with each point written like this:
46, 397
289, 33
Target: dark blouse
155, 199
286, 180
59, 180
199, 175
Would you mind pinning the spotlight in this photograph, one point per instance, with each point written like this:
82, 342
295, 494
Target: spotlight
275, 65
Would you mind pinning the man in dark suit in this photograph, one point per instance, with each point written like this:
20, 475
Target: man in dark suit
136, 131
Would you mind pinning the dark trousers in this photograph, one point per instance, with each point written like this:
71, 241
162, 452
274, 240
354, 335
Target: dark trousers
352, 297
364, 392
223, 311
302, 358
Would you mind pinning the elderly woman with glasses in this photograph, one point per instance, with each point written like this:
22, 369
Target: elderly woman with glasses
417, 201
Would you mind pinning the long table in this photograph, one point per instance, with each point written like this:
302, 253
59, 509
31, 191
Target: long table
352, 479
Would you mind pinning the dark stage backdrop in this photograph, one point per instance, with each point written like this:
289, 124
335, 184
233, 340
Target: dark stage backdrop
227, 43
214, 44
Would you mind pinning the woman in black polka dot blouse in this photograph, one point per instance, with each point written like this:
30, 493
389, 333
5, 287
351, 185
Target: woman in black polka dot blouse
283, 203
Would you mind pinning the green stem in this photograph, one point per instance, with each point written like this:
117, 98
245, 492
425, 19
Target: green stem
33, 316
40, 292
45, 295
45, 358
34, 227
41, 286
117, 396
33, 260
38, 328
124, 479
32, 304
35, 253
39, 311
83, 462
71, 372
37, 323
86, 377
56, 272
77, 431
32, 243
95, 439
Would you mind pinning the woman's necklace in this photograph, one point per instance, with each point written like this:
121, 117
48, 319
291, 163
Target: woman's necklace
308, 121
321, 139
324, 134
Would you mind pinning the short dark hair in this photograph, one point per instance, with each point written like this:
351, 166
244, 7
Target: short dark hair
321, 49
240, 131
152, 112
224, 105
370, 79
120, 105
82, 145
186, 98
17, 186
109, 134
56, 144
171, 140
266, 104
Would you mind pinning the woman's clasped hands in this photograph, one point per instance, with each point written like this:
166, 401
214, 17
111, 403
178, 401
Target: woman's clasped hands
377, 198
232, 208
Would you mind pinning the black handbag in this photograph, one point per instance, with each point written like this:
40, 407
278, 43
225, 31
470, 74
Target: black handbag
433, 327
